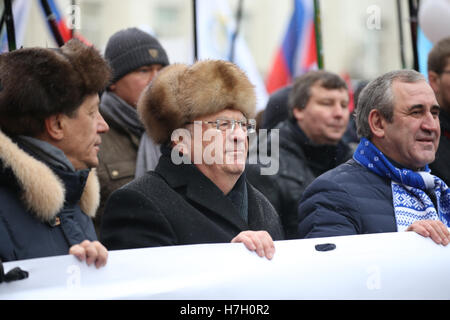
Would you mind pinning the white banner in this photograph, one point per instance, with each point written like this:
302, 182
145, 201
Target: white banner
377, 266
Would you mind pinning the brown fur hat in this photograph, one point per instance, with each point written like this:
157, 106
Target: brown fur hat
182, 93
36, 83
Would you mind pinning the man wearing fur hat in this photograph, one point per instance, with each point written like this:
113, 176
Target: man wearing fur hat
127, 152
198, 192
50, 136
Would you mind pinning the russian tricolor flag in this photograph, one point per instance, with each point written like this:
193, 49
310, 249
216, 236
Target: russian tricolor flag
61, 21
298, 52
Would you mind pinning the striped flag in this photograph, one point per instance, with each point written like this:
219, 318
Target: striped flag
61, 21
297, 53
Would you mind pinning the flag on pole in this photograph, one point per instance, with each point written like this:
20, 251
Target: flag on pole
215, 28
62, 24
21, 9
298, 53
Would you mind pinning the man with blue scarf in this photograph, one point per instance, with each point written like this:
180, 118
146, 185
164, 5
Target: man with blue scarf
387, 186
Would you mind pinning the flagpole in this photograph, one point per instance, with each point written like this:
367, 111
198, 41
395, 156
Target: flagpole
413, 8
236, 31
400, 31
52, 22
194, 10
318, 33
72, 29
2, 21
9, 19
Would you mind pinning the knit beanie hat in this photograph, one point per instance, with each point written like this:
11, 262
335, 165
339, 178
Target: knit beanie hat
130, 49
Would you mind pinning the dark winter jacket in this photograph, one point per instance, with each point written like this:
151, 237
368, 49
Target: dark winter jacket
441, 165
347, 200
300, 162
43, 210
277, 109
177, 205
117, 160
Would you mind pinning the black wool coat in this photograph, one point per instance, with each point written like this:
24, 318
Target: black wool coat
178, 205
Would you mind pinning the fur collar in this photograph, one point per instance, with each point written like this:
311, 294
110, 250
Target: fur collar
43, 191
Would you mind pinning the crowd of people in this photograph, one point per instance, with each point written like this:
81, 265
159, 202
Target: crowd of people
125, 150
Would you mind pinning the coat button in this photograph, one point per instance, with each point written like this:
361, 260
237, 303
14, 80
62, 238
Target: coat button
114, 173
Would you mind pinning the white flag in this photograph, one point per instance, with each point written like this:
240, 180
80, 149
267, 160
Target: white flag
215, 28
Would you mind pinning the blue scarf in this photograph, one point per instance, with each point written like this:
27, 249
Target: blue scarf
411, 202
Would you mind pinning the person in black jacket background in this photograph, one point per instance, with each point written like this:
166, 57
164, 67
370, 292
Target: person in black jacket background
387, 186
309, 143
439, 78
50, 136
198, 192
127, 152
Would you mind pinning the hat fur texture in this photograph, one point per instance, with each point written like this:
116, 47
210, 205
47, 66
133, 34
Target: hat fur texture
39, 82
182, 93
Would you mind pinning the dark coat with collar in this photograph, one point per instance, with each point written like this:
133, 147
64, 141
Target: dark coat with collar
43, 210
441, 165
300, 162
347, 200
178, 205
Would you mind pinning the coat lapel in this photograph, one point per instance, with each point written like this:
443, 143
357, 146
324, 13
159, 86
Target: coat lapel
206, 194
201, 191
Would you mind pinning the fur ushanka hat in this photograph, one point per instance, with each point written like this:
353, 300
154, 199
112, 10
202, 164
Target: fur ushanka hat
182, 93
36, 83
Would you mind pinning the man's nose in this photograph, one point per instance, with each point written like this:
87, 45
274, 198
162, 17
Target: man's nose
338, 110
430, 122
102, 126
151, 75
238, 133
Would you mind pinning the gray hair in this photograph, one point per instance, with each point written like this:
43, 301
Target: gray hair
378, 95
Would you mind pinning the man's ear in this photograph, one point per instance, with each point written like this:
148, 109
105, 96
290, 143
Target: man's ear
298, 114
54, 126
433, 79
377, 123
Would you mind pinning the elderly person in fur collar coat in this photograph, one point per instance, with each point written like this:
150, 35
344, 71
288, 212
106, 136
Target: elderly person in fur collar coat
49, 138
198, 192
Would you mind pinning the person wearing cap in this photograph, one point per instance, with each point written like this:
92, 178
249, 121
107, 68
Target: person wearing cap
198, 193
50, 136
127, 152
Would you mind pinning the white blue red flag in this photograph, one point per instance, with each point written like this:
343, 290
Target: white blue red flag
297, 53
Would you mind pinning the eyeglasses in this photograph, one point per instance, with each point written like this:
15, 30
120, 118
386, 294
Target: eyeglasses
229, 124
